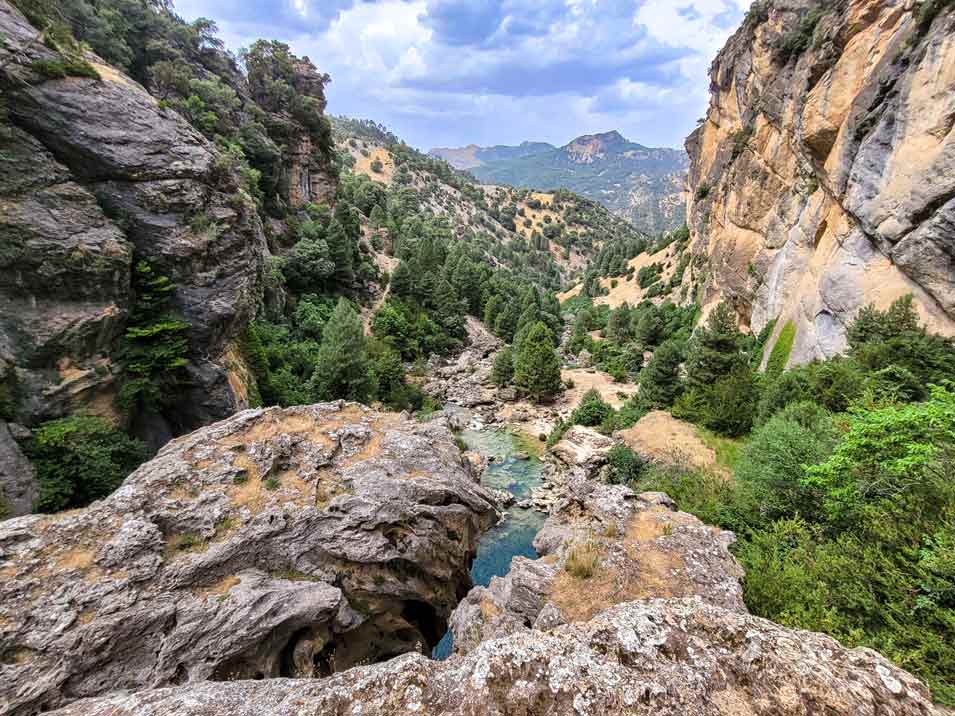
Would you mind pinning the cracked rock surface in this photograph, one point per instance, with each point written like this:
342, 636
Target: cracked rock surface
293, 542
659, 657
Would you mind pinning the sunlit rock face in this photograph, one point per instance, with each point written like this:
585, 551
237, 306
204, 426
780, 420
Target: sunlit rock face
823, 177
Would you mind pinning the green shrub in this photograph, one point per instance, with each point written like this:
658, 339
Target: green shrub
65, 67
709, 496
80, 459
625, 467
796, 42
592, 411
771, 469
791, 386
837, 383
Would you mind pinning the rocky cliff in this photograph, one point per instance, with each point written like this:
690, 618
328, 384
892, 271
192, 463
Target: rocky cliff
99, 174
293, 542
823, 176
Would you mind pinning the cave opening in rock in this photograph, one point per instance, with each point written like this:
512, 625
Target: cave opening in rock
426, 619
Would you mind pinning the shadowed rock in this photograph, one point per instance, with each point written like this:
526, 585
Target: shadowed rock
665, 658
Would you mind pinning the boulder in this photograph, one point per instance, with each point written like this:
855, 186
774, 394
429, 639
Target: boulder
584, 448
640, 545
18, 488
667, 658
293, 542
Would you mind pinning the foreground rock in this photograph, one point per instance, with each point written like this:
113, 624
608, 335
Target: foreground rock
290, 542
604, 546
823, 179
666, 658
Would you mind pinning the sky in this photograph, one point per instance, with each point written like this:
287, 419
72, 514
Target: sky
446, 73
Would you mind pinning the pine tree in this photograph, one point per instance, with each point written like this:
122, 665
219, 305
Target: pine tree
340, 253
449, 309
503, 372
492, 309
402, 280
378, 218
537, 368
342, 367
717, 350
660, 381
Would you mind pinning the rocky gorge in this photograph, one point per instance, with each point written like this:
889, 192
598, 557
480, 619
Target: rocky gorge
312, 559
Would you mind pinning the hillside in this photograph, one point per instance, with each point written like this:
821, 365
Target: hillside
552, 234
638, 183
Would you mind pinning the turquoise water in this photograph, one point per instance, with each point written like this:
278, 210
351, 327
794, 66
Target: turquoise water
515, 535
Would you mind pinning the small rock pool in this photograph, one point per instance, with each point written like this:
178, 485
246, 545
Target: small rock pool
515, 534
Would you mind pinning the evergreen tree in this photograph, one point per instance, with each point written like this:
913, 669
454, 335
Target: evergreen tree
340, 253
309, 265
649, 328
537, 368
155, 344
660, 381
378, 218
503, 372
449, 310
717, 350
342, 368
492, 309
618, 324
403, 280
506, 322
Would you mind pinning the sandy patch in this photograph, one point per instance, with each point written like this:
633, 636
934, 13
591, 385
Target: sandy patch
661, 437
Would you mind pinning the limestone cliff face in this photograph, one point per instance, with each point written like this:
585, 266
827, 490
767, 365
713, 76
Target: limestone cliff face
97, 174
823, 177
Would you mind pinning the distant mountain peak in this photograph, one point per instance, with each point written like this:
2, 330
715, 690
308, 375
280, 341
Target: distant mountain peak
590, 147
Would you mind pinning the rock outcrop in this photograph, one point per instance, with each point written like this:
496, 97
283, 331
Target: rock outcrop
823, 178
602, 546
18, 488
97, 175
667, 658
583, 448
293, 542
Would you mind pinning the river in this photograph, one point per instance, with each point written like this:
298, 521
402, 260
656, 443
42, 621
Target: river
515, 534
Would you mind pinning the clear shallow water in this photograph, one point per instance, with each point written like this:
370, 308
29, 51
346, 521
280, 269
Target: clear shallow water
515, 535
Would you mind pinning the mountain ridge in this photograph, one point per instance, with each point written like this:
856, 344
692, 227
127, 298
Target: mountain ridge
641, 184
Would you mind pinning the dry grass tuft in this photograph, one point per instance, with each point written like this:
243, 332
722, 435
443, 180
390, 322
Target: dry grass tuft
583, 560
